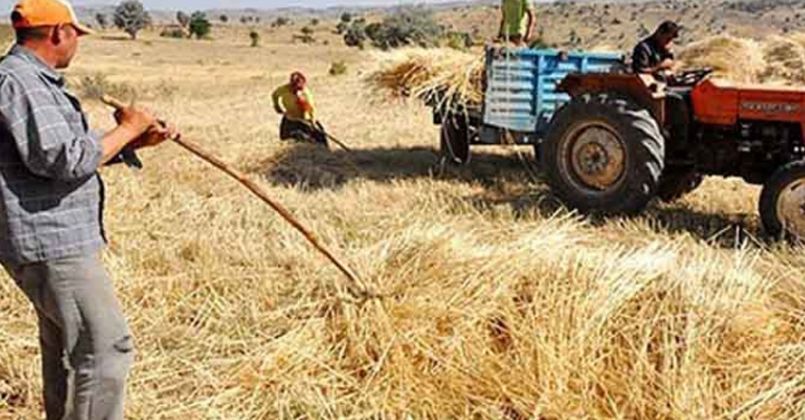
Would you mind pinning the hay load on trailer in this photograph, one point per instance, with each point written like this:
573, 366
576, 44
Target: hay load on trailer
507, 96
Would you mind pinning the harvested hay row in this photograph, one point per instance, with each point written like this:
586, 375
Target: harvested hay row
736, 59
443, 77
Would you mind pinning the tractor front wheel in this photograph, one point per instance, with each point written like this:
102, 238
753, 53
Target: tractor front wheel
604, 154
782, 203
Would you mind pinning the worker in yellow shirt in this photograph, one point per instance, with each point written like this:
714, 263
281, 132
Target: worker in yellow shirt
517, 22
294, 101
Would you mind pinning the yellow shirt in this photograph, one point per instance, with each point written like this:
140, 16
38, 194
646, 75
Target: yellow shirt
284, 98
514, 17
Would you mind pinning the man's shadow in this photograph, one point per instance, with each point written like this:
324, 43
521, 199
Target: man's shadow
506, 179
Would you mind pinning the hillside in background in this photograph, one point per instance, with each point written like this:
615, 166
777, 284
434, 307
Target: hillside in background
577, 24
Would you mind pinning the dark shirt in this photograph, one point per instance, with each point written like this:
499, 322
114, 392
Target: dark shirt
648, 54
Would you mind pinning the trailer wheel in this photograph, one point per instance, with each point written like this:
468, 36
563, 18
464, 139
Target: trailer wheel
604, 154
455, 139
675, 184
782, 203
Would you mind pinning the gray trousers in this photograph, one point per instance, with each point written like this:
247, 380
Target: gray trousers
87, 349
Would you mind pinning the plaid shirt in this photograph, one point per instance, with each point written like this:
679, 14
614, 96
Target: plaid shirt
51, 195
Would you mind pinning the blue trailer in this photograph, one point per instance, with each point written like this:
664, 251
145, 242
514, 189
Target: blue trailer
520, 98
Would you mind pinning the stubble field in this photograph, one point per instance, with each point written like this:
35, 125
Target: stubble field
499, 303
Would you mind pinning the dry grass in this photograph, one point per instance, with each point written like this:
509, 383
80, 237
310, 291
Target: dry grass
503, 305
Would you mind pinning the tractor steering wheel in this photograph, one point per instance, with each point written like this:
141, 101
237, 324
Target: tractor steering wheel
691, 77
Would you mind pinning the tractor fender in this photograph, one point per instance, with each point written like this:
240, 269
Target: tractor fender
644, 90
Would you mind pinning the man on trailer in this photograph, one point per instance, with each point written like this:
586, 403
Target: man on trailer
517, 22
653, 55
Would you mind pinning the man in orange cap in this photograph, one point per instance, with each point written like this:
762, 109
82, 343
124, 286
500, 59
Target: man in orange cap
294, 101
51, 214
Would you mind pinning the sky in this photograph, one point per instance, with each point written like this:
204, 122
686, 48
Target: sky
237, 4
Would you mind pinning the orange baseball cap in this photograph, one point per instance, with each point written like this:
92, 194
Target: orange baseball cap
36, 13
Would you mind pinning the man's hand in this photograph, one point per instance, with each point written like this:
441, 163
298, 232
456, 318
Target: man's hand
155, 136
667, 64
135, 120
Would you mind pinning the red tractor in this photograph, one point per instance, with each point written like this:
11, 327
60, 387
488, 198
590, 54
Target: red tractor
624, 139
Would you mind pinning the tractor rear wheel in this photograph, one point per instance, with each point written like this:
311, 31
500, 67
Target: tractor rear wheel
782, 203
675, 184
604, 154
455, 139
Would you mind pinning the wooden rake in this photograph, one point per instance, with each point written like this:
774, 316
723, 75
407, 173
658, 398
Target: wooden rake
354, 285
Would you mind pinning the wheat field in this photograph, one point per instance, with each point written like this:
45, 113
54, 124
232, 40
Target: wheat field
497, 302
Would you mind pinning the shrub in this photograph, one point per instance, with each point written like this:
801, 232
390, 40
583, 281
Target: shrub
279, 22
255, 38
172, 33
97, 85
355, 36
341, 28
407, 26
200, 27
131, 17
460, 41
338, 68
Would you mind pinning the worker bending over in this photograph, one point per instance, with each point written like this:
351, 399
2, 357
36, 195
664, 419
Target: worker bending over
654, 55
517, 22
294, 101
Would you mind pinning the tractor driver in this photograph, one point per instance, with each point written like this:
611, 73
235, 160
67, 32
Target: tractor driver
653, 55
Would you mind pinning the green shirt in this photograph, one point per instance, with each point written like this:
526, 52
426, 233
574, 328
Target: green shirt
514, 17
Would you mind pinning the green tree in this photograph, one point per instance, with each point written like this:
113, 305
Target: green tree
200, 26
131, 17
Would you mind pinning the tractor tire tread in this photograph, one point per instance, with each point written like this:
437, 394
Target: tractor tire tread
643, 138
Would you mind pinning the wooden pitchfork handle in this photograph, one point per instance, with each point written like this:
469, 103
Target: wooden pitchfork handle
329, 136
354, 284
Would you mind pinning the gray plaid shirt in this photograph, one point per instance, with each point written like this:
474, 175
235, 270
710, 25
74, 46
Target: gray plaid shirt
51, 195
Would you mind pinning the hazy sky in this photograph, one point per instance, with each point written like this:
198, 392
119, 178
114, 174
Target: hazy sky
234, 4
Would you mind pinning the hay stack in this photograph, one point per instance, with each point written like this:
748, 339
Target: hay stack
785, 61
732, 58
438, 76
